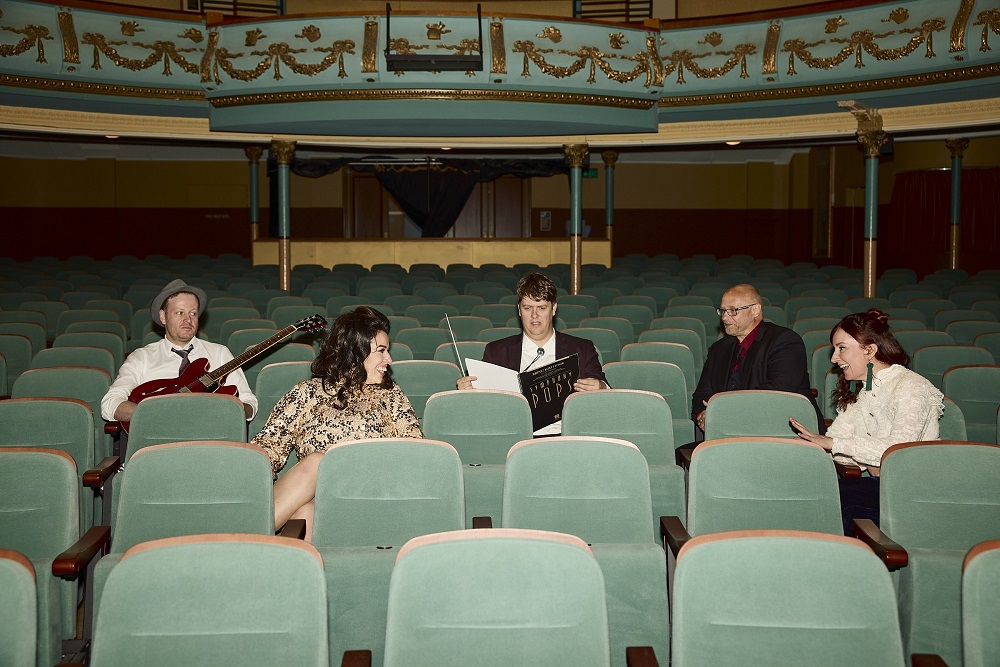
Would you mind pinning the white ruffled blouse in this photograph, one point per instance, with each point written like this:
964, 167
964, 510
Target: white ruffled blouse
902, 406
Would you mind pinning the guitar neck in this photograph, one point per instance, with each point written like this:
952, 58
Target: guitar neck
251, 352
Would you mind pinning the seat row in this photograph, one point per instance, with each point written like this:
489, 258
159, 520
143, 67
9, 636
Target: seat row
373, 496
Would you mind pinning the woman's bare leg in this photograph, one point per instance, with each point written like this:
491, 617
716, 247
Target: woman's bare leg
306, 512
296, 489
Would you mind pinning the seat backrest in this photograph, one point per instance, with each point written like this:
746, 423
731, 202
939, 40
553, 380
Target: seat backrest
273, 382
619, 325
481, 425
229, 327
932, 361
422, 378
981, 605
943, 318
276, 302
18, 614
913, 340
430, 314
496, 598
212, 319
724, 613
467, 349
176, 489
196, 599
686, 337
109, 341
639, 316
741, 483
607, 342
757, 412
423, 340
465, 327
278, 354
35, 333
815, 323
40, 506
952, 422
385, 491
594, 488
496, 333
640, 417
940, 494
95, 357
181, 417
965, 331
706, 314
672, 353
976, 389
64, 424
991, 342
84, 383
496, 313
663, 378
285, 316
83, 314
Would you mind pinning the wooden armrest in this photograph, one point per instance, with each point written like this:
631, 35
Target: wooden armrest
828, 422
112, 428
640, 656
683, 457
814, 392
97, 476
893, 555
294, 528
847, 469
674, 533
927, 660
482, 522
69, 563
356, 659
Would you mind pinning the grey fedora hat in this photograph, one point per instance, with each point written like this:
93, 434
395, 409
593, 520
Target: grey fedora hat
171, 289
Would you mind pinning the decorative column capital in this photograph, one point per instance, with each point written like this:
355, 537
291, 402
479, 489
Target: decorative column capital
283, 151
577, 153
870, 134
253, 153
610, 158
957, 146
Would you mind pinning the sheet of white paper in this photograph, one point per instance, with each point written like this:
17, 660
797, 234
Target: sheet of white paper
491, 376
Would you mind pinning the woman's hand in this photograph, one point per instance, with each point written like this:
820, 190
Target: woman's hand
821, 440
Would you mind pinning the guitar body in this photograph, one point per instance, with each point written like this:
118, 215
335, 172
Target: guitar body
188, 381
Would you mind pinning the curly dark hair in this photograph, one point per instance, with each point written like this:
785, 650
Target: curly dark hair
341, 357
537, 287
871, 328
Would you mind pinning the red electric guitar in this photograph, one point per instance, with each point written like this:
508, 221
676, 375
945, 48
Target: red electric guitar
196, 377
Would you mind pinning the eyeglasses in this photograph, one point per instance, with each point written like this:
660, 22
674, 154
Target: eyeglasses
732, 311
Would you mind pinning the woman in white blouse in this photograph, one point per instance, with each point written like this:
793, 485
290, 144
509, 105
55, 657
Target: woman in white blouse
880, 402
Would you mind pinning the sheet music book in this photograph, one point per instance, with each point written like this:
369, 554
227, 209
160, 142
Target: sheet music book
545, 387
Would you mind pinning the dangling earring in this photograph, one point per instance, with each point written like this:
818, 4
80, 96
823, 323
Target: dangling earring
868, 380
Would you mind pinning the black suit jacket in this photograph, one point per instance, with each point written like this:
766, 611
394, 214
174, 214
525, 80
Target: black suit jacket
506, 352
776, 360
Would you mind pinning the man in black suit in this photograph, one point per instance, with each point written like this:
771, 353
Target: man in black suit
753, 354
539, 343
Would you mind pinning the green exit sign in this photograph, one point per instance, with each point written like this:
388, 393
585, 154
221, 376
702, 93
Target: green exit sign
590, 173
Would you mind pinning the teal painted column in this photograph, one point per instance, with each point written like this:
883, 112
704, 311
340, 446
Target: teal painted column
957, 148
610, 158
872, 138
283, 152
576, 153
254, 154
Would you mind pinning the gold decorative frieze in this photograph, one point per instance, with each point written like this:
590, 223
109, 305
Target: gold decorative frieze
769, 63
369, 50
684, 59
584, 55
653, 56
160, 51
436, 30
34, 36
899, 16
958, 25
311, 33
551, 33
129, 28
498, 49
70, 86
840, 88
862, 41
990, 20
71, 48
411, 94
617, 40
712, 38
281, 53
193, 34
834, 24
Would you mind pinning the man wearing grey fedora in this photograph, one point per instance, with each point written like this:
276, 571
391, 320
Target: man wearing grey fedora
177, 308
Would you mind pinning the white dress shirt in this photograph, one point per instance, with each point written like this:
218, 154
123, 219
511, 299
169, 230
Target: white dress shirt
156, 361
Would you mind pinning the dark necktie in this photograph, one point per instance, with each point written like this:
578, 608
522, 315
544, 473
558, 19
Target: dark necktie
740, 353
183, 354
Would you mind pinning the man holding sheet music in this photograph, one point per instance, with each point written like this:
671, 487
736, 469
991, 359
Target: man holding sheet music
540, 344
